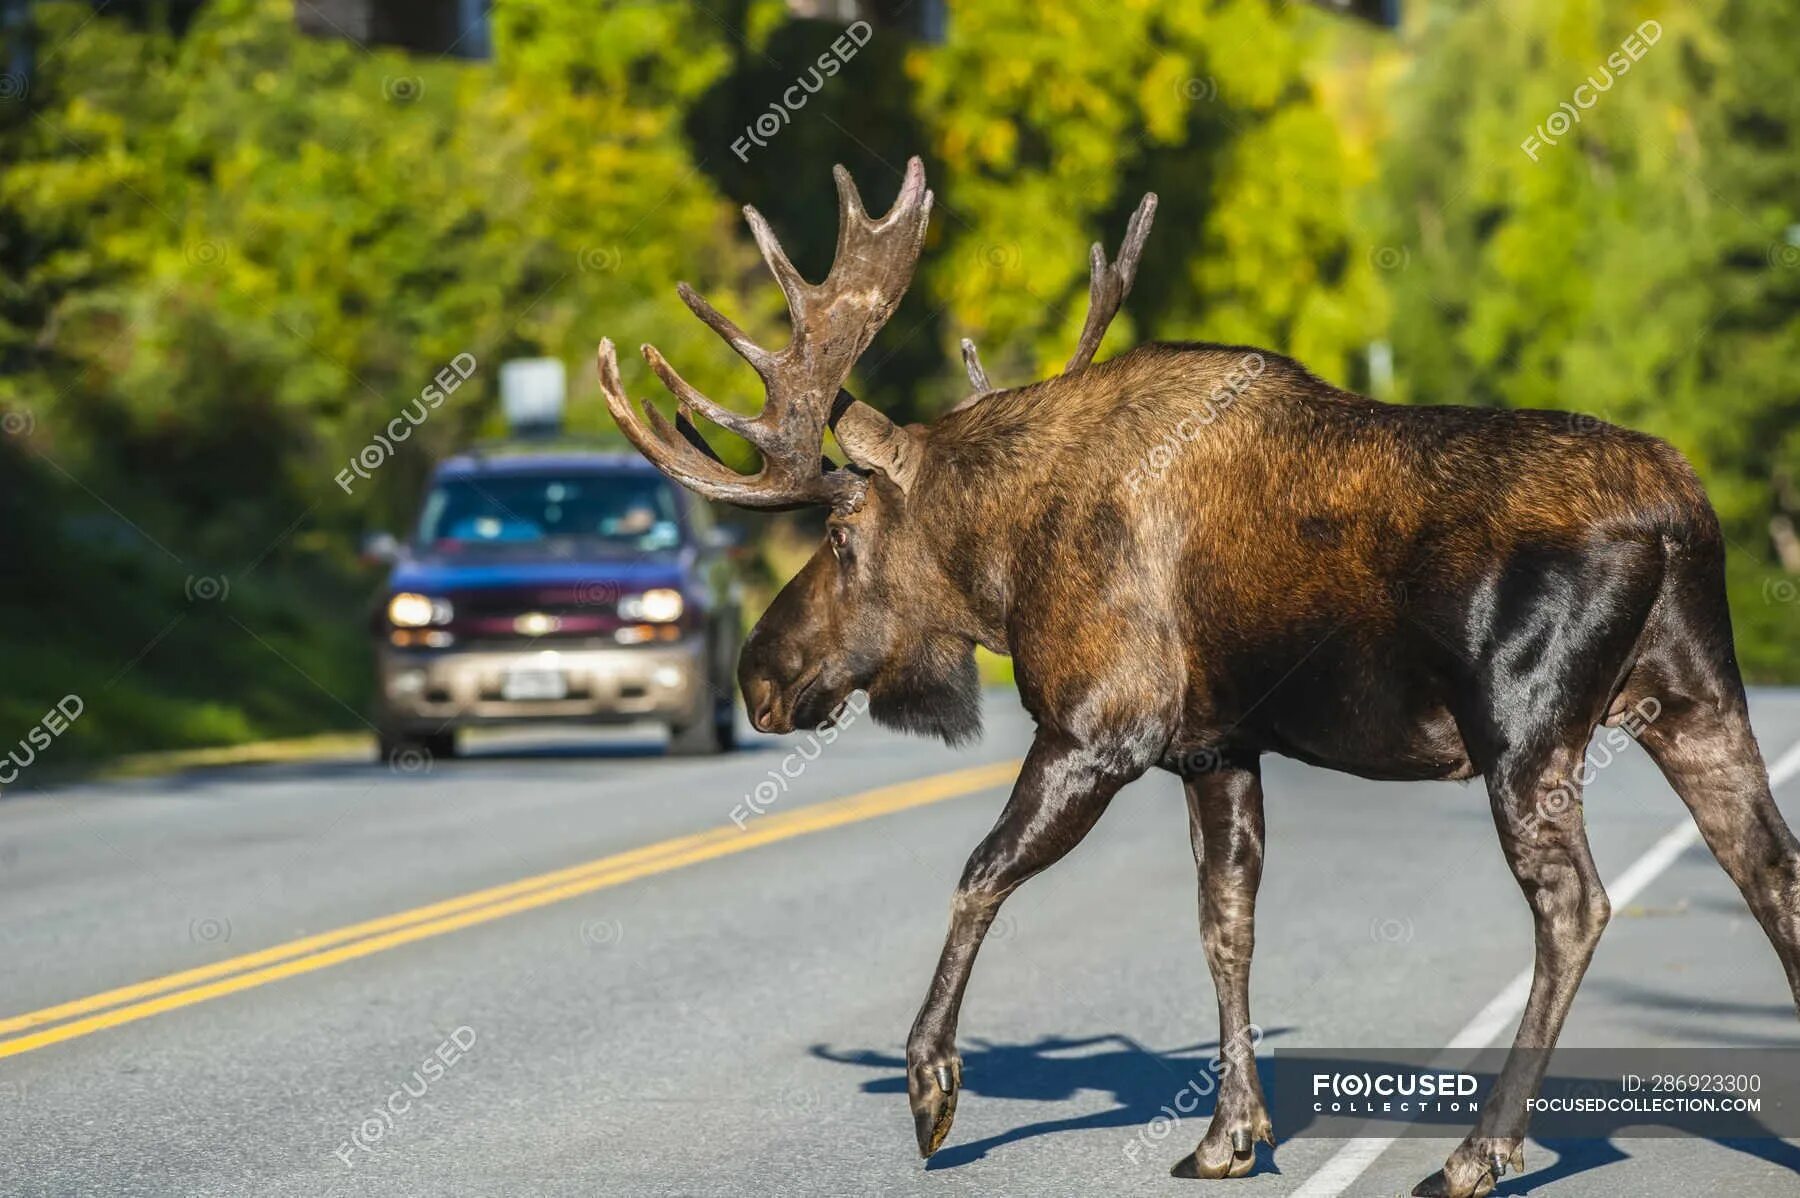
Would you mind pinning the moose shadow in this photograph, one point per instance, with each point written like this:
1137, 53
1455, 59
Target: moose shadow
1574, 1157
1144, 1082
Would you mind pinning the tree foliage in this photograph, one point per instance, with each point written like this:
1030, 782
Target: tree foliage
1641, 265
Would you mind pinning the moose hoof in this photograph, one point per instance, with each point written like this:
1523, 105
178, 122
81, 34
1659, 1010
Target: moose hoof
931, 1092
1225, 1154
1439, 1185
1470, 1173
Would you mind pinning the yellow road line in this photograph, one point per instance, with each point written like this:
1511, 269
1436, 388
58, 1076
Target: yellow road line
372, 936
323, 940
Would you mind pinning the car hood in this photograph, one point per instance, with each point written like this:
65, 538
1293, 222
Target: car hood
438, 574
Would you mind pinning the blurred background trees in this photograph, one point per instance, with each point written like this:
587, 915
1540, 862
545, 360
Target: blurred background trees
1645, 269
231, 252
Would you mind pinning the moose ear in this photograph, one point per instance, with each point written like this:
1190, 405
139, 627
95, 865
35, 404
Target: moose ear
874, 442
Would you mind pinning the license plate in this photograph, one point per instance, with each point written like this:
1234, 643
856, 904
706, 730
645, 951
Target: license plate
530, 684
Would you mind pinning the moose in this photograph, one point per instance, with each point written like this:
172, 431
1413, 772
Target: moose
1398, 592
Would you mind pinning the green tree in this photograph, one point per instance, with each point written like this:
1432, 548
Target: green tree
234, 255
1636, 265
1051, 120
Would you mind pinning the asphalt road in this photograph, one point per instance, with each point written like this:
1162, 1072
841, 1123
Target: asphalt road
726, 1015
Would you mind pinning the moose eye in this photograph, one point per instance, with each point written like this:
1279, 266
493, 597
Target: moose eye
838, 536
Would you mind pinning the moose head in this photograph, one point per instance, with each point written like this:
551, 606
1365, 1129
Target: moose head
877, 607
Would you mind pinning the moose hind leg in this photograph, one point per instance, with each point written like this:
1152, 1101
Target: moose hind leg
1539, 817
1688, 693
1709, 755
1556, 636
1225, 823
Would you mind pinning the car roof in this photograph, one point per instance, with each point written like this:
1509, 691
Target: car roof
516, 461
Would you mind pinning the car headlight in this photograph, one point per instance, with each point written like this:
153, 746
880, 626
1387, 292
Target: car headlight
408, 610
660, 606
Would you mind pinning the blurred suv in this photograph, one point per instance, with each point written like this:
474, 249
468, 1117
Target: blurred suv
556, 586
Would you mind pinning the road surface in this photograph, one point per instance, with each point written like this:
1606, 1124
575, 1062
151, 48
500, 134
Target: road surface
232, 982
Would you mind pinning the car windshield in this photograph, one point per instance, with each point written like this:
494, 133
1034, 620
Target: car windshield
628, 510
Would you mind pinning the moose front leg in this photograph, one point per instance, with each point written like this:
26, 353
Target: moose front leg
1225, 823
1538, 813
1059, 795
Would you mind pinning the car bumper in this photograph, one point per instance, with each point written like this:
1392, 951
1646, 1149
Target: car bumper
463, 688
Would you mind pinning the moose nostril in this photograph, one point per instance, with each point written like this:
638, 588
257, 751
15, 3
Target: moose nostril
760, 699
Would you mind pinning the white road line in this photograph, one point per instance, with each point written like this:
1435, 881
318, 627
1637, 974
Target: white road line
1354, 1158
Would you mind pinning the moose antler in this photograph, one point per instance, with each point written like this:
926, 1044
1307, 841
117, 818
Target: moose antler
1109, 285
1107, 289
834, 322
978, 378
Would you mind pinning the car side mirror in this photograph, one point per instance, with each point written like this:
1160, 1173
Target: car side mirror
380, 548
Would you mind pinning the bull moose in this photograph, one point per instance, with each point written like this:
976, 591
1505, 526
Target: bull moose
1197, 554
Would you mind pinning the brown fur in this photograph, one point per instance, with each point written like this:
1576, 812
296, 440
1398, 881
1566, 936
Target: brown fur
1298, 506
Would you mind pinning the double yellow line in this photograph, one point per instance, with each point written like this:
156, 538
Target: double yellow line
127, 1004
